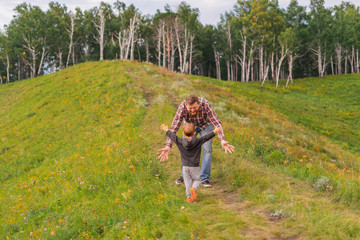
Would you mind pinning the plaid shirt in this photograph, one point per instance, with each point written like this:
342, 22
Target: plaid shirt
204, 117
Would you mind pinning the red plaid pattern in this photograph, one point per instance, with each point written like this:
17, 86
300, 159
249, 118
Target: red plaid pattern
204, 117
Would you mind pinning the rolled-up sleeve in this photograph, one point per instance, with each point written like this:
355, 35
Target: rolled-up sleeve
214, 119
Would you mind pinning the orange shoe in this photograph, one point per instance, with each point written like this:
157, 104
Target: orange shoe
188, 200
193, 194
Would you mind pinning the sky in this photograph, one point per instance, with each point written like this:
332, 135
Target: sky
210, 10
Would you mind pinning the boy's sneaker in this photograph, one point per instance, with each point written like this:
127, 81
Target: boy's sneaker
188, 200
206, 183
180, 180
193, 194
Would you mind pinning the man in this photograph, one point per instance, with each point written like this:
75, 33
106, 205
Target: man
199, 112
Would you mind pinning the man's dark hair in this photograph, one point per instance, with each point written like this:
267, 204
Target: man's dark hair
191, 99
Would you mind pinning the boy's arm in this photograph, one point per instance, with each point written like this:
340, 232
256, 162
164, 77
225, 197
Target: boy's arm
176, 122
172, 136
210, 135
207, 137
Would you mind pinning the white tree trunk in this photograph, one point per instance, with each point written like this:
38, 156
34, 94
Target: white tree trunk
7, 69
192, 37
132, 49
243, 64
352, 59
228, 69
159, 47
120, 37
185, 70
71, 35
265, 74
232, 72
272, 64
100, 28
147, 51
290, 61
250, 63
231, 68
240, 59
357, 61
33, 53
217, 63
177, 30
284, 51
159, 34
44, 52
134, 26
321, 60
60, 58
73, 55
338, 51
164, 48
261, 63
346, 61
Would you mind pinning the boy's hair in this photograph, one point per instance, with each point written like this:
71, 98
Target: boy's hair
189, 129
191, 99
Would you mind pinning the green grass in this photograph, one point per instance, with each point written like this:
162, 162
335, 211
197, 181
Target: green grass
330, 106
78, 157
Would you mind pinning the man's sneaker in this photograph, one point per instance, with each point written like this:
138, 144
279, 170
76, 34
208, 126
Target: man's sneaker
193, 194
180, 180
206, 183
188, 200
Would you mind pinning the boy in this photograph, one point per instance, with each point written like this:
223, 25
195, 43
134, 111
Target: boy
190, 150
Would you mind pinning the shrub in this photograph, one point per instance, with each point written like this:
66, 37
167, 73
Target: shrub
323, 184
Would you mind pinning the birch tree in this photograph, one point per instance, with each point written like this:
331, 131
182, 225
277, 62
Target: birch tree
70, 30
99, 17
319, 25
351, 31
165, 37
56, 34
159, 33
100, 28
338, 28
285, 39
28, 33
5, 51
186, 25
245, 53
296, 23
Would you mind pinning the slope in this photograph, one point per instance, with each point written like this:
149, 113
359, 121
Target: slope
78, 161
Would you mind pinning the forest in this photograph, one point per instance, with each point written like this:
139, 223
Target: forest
255, 41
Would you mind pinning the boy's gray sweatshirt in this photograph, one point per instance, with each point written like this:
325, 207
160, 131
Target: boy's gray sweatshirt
190, 150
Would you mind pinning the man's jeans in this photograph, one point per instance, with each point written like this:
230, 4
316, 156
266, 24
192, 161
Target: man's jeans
207, 154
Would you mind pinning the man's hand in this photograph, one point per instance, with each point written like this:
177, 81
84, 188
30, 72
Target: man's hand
164, 127
164, 154
228, 148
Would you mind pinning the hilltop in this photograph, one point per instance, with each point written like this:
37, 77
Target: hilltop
78, 157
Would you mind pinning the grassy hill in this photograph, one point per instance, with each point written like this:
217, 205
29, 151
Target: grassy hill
78, 157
